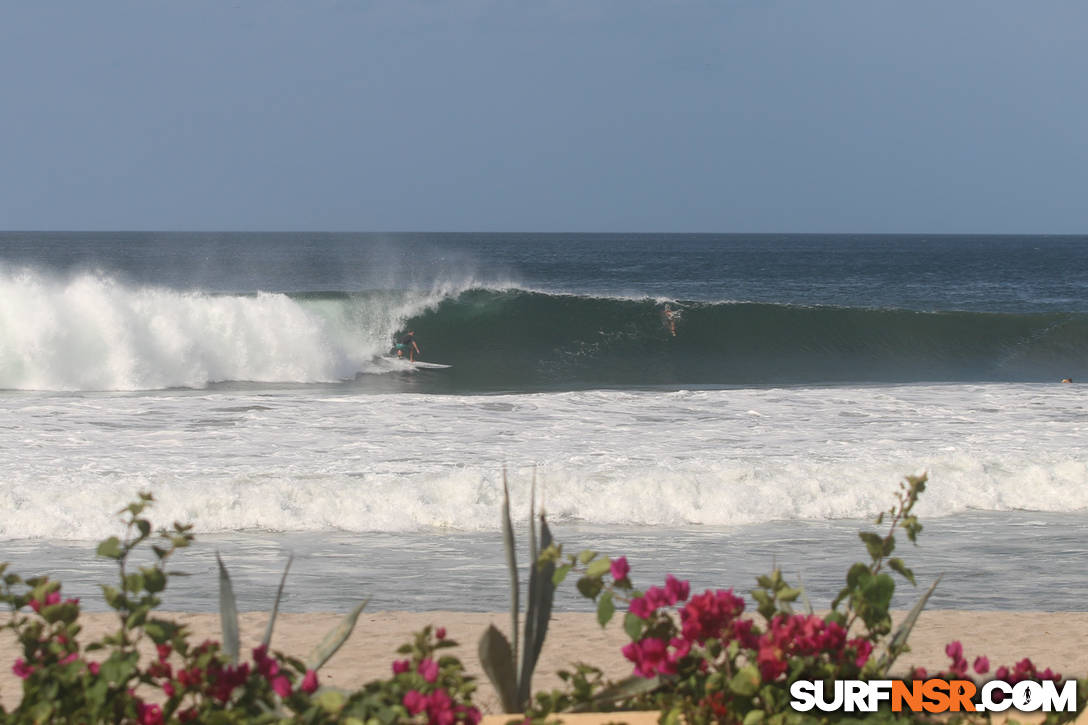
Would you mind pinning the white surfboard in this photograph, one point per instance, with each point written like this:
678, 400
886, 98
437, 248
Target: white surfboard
402, 363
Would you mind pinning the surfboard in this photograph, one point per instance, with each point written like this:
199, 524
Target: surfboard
401, 363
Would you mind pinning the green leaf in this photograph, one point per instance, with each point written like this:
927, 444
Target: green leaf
605, 608
134, 583
897, 565
154, 579
754, 717
878, 592
541, 596
625, 689
113, 597
110, 548
228, 613
335, 638
561, 574
899, 639
267, 639
856, 574
497, 660
632, 624
599, 567
329, 700
584, 557
511, 565
746, 682
873, 542
804, 597
589, 587
789, 594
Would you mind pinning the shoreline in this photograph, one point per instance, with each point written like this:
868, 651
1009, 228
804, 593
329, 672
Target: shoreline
1050, 639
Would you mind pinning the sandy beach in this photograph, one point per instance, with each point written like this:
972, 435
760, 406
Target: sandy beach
1050, 639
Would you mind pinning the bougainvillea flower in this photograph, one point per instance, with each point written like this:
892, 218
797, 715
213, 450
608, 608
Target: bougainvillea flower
620, 568
309, 682
414, 702
429, 669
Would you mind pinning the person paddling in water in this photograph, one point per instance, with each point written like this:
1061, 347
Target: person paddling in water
670, 320
408, 344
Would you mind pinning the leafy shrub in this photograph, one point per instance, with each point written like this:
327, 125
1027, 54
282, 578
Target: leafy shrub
702, 658
107, 680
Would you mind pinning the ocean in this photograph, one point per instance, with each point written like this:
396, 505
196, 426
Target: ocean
246, 380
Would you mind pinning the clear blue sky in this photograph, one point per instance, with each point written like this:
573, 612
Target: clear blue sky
564, 115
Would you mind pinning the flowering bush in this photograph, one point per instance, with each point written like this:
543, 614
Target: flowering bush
696, 657
65, 680
703, 658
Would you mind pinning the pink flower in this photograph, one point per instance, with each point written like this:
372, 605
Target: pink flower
149, 714
641, 607
680, 649
21, 669
771, 660
982, 665
429, 669
650, 656
620, 569
954, 650
440, 708
282, 686
400, 666
676, 590
70, 658
710, 615
164, 651
414, 702
440, 633
94, 667
309, 682
168, 688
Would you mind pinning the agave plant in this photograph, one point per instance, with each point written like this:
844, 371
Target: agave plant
512, 676
228, 618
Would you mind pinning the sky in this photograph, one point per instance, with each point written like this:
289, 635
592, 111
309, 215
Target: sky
868, 116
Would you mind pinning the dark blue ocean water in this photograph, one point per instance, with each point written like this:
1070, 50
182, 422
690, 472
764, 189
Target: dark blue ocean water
520, 312
914, 272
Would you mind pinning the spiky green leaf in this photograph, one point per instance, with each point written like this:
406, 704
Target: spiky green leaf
335, 638
899, 639
497, 660
267, 639
228, 613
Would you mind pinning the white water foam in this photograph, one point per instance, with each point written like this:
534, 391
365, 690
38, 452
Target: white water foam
91, 332
311, 461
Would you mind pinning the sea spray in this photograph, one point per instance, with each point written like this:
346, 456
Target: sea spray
91, 332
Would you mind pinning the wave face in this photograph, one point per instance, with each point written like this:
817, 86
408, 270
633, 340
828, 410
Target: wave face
91, 332
517, 337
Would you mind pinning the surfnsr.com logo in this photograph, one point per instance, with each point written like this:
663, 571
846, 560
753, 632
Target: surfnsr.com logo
934, 696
